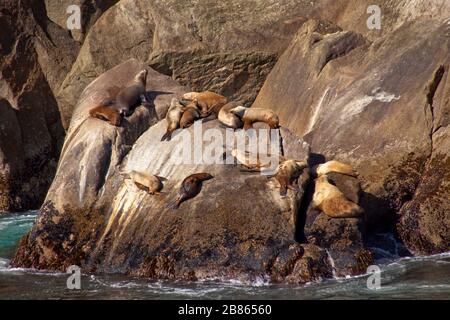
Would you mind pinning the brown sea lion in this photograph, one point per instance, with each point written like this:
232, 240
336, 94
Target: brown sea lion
127, 98
190, 187
208, 102
147, 182
335, 166
108, 114
229, 119
331, 201
252, 115
173, 118
288, 172
190, 114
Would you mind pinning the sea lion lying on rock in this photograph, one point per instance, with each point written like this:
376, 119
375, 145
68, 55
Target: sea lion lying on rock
252, 115
208, 102
190, 114
335, 166
113, 110
230, 119
190, 187
107, 113
331, 201
147, 182
173, 118
251, 164
288, 172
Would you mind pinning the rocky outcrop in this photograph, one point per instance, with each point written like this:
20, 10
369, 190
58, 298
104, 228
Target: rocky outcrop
124, 31
90, 12
30, 127
377, 99
237, 227
371, 105
238, 76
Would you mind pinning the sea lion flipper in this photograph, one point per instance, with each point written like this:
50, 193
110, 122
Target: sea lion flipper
141, 186
166, 136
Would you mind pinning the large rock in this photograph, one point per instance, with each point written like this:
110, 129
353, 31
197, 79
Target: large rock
124, 31
238, 76
30, 125
425, 220
90, 12
237, 227
208, 45
370, 105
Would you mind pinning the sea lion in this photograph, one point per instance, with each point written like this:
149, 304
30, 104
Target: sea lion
173, 118
147, 182
252, 115
335, 166
249, 163
288, 172
229, 119
208, 102
190, 187
108, 114
127, 98
132, 94
190, 114
331, 201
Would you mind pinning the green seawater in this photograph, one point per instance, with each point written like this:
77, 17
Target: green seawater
401, 278
12, 227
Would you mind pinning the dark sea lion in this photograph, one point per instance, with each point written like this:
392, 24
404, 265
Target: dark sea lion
125, 100
191, 187
132, 94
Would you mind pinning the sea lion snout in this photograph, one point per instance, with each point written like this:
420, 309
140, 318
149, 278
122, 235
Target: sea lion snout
205, 176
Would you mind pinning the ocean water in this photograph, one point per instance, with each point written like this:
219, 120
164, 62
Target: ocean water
401, 278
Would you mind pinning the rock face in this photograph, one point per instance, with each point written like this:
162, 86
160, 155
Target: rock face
373, 105
376, 99
238, 76
90, 12
237, 227
30, 126
124, 31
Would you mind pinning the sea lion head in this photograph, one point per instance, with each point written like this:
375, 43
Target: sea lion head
141, 77
204, 176
239, 111
301, 164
